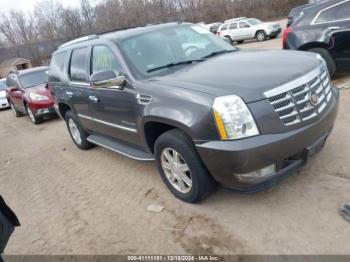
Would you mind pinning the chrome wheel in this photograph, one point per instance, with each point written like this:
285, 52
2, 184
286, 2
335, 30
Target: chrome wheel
176, 170
73, 129
261, 37
31, 115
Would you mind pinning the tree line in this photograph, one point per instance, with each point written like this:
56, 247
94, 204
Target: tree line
50, 21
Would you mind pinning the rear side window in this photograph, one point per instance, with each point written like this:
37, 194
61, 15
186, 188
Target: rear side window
78, 65
103, 59
233, 26
57, 67
334, 13
343, 11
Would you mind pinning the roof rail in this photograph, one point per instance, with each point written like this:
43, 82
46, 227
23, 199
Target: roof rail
235, 19
79, 40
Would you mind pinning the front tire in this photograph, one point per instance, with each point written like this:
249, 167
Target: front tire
181, 168
78, 135
36, 120
261, 36
327, 57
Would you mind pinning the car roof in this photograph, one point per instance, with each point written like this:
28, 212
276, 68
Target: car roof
30, 70
119, 34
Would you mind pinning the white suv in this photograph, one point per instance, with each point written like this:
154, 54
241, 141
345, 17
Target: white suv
240, 29
3, 100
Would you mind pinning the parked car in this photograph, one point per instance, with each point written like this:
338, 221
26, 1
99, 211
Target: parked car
240, 29
3, 100
325, 30
28, 93
139, 93
214, 27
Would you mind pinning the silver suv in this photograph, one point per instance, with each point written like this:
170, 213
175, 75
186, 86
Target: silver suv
240, 29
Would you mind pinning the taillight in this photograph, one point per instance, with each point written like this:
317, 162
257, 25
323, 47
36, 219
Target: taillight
285, 36
218, 33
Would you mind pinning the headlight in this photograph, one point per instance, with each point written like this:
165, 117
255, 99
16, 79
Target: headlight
37, 97
233, 118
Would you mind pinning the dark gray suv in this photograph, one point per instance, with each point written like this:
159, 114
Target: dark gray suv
208, 113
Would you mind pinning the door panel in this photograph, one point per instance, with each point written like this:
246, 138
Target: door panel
341, 49
114, 111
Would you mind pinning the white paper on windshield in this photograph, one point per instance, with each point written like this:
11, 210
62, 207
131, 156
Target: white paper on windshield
200, 29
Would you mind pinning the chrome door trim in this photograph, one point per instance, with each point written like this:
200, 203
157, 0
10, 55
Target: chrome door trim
132, 130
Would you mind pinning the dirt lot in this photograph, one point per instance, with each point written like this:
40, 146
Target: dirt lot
95, 202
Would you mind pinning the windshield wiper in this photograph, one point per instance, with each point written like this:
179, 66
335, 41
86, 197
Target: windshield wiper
175, 64
217, 53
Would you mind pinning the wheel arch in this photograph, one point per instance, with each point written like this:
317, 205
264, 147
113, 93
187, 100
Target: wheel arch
310, 45
154, 127
63, 108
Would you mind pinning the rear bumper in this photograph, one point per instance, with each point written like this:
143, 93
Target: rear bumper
288, 151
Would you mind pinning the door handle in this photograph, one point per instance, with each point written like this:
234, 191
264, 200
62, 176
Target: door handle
93, 99
332, 28
70, 94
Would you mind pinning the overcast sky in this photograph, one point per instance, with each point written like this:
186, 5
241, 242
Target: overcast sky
28, 5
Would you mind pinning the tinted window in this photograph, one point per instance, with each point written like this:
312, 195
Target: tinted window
224, 27
343, 11
78, 65
103, 59
243, 25
57, 66
34, 78
233, 26
327, 15
2, 84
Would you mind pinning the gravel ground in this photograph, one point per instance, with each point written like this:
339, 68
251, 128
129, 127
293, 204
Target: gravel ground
95, 202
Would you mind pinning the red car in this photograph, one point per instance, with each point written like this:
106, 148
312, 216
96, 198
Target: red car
28, 93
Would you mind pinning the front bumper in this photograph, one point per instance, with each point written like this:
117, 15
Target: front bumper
4, 103
42, 108
275, 32
289, 151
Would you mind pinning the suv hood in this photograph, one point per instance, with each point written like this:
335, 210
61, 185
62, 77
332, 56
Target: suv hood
247, 74
39, 89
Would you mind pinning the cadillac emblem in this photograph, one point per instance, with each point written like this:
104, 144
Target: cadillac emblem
313, 98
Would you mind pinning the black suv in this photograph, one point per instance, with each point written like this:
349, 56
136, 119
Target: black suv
323, 29
207, 112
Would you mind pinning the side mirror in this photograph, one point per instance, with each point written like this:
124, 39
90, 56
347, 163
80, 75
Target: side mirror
107, 79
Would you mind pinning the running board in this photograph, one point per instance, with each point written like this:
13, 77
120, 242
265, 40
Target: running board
120, 148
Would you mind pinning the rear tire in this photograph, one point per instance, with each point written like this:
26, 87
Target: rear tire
327, 57
228, 40
198, 182
261, 36
14, 110
240, 41
78, 135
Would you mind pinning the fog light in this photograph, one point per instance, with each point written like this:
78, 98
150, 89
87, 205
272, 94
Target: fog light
257, 175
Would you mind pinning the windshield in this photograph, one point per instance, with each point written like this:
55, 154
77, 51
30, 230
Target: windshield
34, 78
254, 21
171, 46
3, 84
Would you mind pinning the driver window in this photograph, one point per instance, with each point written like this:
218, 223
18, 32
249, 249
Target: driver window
243, 25
103, 59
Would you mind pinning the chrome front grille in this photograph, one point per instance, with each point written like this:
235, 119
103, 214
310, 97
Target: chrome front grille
295, 102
